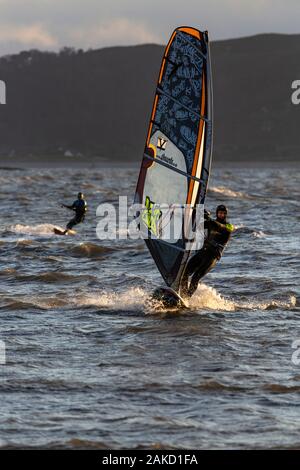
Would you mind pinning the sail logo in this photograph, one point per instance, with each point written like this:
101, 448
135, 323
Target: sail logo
295, 97
161, 143
168, 160
2, 92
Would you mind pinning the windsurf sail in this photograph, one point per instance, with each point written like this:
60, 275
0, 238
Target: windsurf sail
177, 156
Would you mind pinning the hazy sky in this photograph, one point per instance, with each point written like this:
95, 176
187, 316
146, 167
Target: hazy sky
52, 24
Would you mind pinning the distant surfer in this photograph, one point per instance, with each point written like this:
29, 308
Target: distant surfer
79, 207
218, 235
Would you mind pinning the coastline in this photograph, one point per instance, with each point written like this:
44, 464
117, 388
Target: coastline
93, 163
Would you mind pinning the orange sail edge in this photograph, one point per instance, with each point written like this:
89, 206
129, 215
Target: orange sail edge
197, 150
190, 30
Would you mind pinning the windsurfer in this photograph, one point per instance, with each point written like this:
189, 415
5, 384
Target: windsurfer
218, 235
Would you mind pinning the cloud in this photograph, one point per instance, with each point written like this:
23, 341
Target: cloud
113, 32
53, 24
29, 35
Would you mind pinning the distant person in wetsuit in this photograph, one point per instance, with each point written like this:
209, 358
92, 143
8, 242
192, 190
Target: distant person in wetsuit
79, 207
219, 232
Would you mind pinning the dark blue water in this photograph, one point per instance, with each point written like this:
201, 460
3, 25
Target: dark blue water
90, 365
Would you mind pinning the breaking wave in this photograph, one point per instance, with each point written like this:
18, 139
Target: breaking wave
40, 229
229, 192
90, 250
133, 298
205, 298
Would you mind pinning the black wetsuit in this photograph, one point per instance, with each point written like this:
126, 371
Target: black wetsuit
80, 208
206, 258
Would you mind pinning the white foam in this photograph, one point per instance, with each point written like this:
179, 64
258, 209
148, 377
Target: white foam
228, 192
40, 229
133, 298
207, 297
269, 304
259, 234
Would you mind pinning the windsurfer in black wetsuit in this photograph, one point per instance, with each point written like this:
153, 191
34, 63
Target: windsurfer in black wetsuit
218, 235
79, 207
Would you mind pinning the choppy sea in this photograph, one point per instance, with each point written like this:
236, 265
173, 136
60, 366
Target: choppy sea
88, 364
